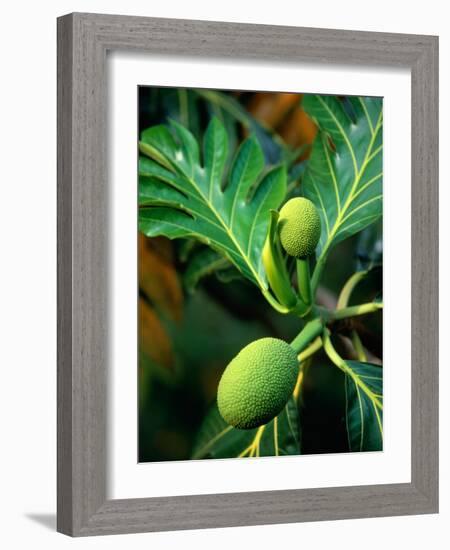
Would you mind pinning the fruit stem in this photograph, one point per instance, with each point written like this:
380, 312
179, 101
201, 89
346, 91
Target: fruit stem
310, 331
317, 273
304, 280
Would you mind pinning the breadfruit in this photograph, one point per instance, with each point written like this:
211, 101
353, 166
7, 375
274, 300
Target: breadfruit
257, 383
299, 227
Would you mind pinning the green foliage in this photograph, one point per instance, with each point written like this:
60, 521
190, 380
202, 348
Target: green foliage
182, 197
344, 172
217, 439
257, 383
272, 146
369, 248
207, 186
202, 263
275, 265
364, 406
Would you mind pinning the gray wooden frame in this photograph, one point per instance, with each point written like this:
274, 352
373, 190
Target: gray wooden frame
83, 41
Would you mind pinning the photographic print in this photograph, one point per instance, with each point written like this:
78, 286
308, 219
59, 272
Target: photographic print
260, 274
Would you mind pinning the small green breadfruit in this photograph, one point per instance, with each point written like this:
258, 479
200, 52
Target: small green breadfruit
257, 383
299, 227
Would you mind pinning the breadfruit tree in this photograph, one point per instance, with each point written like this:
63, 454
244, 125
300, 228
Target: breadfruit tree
261, 215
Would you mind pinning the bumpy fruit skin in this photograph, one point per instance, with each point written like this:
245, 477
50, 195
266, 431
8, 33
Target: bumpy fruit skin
257, 383
299, 227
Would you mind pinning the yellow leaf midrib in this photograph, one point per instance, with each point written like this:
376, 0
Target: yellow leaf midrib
358, 175
228, 232
225, 227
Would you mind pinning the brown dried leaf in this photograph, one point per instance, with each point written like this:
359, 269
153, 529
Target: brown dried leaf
272, 108
298, 129
158, 278
153, 338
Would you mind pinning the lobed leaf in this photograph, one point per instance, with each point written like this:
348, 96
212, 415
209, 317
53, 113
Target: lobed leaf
181, 197
344, 174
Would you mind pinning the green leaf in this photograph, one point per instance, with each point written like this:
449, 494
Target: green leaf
180, 197
231, 126
344, 173
364, 406
228, 275
274, 148
295, 174
279, 437
179, 104
202, 263
369, 248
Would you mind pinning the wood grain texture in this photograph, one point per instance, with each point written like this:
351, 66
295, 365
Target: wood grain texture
64, 266
424, 276
83, 41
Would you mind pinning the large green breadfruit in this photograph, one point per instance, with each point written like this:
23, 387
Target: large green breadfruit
299, 227
257, 383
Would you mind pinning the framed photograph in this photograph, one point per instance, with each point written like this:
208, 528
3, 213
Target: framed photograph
247, 274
